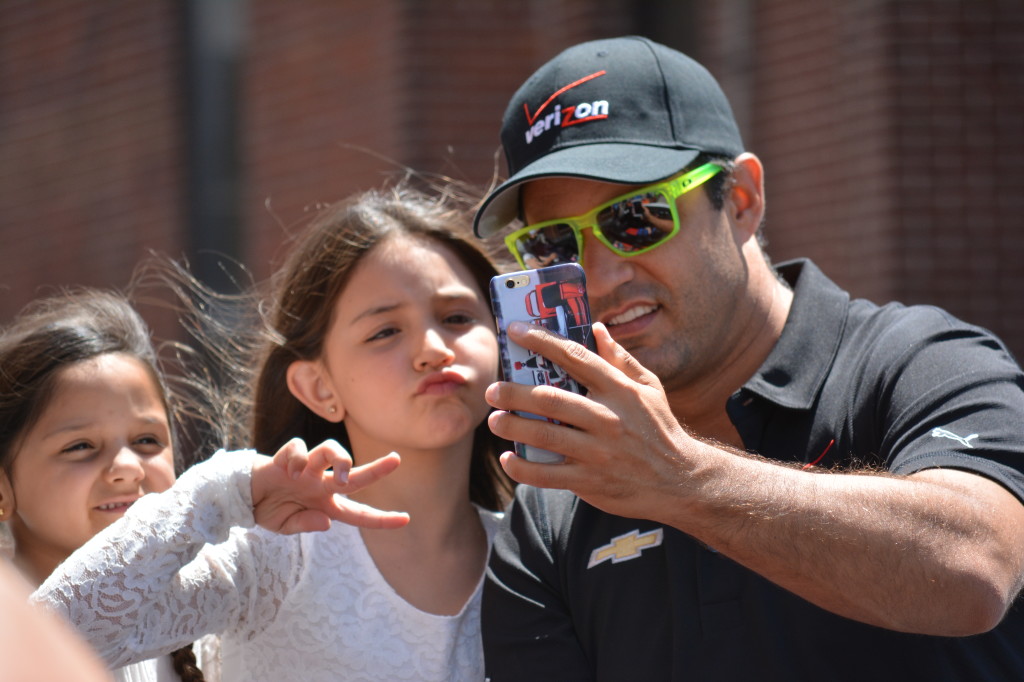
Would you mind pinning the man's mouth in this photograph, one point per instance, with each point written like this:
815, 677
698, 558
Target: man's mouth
631, 314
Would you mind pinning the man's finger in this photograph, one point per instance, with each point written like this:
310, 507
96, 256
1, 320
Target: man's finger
554, 403
619, 358
537, 474
575, 358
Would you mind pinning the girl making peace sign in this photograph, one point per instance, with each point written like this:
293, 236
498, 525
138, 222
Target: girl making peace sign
381, 339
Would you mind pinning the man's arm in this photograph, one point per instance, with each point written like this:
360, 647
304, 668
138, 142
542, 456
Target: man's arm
938, 552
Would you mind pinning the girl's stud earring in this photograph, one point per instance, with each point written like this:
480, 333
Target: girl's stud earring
332, 409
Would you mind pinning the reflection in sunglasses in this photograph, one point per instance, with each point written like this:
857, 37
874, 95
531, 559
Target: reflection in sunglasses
660, 211
552, 244
629, 225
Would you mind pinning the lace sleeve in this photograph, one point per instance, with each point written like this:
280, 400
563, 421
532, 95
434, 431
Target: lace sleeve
152, 582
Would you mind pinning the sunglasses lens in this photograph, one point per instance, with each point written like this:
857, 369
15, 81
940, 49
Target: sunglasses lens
549, 245
638, 222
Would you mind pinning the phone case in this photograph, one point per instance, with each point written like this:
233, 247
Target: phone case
554, 297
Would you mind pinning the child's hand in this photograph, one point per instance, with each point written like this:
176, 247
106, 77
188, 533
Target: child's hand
292, 492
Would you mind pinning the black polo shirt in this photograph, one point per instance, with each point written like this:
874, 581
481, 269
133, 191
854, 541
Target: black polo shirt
577, 594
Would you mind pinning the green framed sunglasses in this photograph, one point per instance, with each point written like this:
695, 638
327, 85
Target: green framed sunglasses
631, 224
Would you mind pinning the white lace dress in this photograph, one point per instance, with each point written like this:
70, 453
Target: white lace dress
312, 606
153, 670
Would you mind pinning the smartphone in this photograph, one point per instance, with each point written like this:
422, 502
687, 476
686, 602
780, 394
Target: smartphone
554, 297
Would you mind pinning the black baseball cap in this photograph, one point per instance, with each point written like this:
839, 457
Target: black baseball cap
625, 110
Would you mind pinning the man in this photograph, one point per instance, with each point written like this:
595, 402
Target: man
767, 480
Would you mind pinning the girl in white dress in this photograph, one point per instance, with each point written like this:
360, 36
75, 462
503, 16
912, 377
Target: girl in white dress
84, 432
381, 338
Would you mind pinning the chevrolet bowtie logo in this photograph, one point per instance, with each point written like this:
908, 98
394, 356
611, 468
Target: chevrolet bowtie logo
625, 547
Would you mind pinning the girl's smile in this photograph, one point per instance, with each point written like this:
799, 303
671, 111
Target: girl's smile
116, 507
101, 443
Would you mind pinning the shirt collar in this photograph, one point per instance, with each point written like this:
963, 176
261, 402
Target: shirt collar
795, 370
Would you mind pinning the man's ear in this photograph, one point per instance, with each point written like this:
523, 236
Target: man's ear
7, 503
309, 383
745, 199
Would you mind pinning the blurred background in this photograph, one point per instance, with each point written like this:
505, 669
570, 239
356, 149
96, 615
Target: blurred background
892, 130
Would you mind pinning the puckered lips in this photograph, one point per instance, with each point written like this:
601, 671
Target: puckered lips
443, 382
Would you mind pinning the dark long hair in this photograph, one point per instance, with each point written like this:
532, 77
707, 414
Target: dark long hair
53, 333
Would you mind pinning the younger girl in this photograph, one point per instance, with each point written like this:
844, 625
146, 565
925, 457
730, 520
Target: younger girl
383, 340
84, 433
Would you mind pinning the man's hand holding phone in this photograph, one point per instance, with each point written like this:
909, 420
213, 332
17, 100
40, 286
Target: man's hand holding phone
553, 298
627, 448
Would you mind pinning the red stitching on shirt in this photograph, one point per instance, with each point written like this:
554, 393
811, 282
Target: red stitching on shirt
810, 464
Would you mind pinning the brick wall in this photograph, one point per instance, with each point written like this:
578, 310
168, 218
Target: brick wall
891, 129
90, 143
342, 96
958, 119
892, 132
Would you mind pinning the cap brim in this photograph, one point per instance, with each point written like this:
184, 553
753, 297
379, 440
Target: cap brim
629, 164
